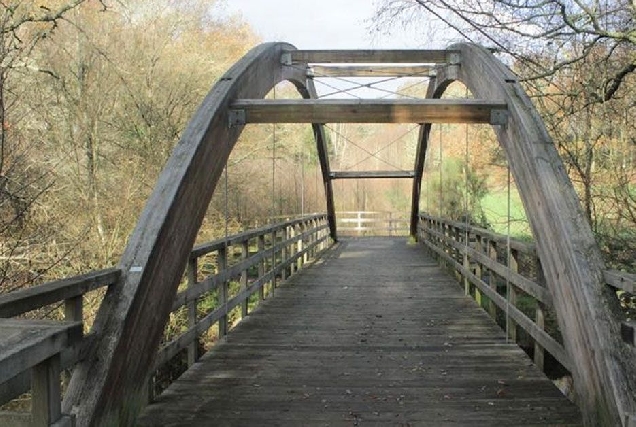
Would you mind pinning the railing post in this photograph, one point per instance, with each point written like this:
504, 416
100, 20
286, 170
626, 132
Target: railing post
223, 291
291, 233
274, 264
492, 281
480, 249
73, 309
285, 253
46, 404
466, 263
299, 247
306, 226
193, 347
539, 352
512, 299
245, 253
261, 266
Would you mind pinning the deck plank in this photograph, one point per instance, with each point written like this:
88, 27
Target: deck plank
375, 334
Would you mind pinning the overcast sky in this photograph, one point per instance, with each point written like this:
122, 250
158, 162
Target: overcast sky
317, 24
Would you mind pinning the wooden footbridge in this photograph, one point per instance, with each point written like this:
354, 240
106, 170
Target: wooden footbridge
351, 331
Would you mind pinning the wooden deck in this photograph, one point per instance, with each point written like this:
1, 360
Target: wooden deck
375, 334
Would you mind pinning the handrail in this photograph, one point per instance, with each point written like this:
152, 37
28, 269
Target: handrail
24, 300
480, 269
276, 251
481, 256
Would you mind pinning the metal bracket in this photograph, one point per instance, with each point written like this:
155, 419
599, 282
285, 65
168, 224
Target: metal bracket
499, 117
454, 58
236, 118
286, 58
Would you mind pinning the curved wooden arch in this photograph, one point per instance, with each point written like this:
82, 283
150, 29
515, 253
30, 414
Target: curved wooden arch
604, 372
107, 388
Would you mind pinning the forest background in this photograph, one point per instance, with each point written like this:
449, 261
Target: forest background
95, 94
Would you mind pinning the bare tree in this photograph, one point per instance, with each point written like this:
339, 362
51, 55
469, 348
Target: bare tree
546, 36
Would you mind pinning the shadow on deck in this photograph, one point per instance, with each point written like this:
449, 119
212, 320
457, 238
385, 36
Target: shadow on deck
374, 333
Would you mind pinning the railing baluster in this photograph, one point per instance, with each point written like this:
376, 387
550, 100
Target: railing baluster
193, 347
261, 267
46, 405
274, 264
299, 247
512, 299
245, 251
539, 351
478, 269
492, 281
223, 290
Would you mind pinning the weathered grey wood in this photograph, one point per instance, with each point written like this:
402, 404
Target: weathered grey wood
381, 339
25, 343
245, 252
490, 262
193, 347
323, 158
107, 388
171, 349
418, 168
367, 110
537, 333
371, 71
24, 300
206, 248
370, 174
46, 396
605, 372
373, 56
621, 280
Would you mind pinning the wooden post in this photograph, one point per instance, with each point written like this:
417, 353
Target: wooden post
539, 352
492, 254
305, 226
73, 309
274, 264
223, 291
193, 347
513, 266
291, 249
245, 253
299, 247
261, 266
479, 248
46, 401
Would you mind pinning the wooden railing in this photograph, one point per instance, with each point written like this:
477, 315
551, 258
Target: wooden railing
505, 277
364, 223
223, 275
232, 273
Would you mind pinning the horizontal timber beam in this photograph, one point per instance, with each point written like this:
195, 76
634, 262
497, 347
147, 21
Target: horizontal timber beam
371, 71
412, 56
244, 111
370, 174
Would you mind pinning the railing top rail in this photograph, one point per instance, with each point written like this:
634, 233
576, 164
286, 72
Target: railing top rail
205, 248
25, 300
525, 247
614, 278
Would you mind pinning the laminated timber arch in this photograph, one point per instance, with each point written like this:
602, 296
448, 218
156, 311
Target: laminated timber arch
604, 372
107, 387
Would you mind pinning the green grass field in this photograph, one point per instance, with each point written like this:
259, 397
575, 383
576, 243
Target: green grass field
495, 206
